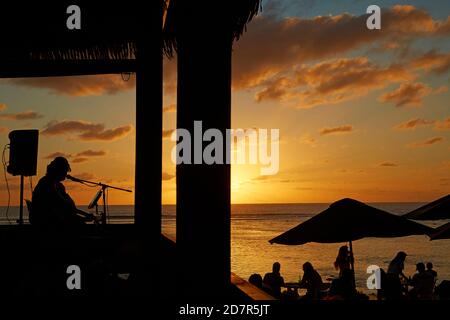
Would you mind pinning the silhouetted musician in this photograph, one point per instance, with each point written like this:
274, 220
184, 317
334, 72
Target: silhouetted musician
52, 207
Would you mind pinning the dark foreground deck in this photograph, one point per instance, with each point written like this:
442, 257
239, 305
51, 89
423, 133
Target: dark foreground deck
112, 260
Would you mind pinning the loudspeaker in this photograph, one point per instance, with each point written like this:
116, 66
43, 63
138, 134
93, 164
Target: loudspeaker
23, 152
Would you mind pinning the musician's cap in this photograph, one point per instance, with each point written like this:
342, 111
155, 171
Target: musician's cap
60, 163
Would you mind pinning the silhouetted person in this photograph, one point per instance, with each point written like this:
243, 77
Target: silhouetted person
273, 281
256, 280
343, 260
52, 208
423, 284
431, 271
311, 281
393, 286
443, 290
343, 288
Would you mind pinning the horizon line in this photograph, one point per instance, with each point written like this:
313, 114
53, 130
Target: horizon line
262, 203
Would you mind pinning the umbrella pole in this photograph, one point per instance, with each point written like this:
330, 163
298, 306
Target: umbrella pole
352, 262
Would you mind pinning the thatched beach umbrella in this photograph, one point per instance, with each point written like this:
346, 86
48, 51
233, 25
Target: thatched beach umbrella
436, 210
350, 220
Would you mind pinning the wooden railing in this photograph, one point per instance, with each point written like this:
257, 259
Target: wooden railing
251, 291
245, 288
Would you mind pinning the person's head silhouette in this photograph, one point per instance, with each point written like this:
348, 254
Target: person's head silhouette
58, 168
276, 267
256, 280
420, 267
429, 266
307, 267
342, 258
343, 252
401, 256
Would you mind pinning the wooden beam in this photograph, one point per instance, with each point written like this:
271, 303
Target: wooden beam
203, 191
46, 68
148, 169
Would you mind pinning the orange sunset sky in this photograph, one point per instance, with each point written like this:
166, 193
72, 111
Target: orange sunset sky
362, 114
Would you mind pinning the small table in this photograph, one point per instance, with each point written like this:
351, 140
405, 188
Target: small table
292, 287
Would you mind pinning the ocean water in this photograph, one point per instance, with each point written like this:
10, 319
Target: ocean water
253, 225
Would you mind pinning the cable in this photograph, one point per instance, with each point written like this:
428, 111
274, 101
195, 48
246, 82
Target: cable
6, 183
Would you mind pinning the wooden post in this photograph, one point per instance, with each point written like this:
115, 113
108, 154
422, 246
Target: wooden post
203, 191
149, 142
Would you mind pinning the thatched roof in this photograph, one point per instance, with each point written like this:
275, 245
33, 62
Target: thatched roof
38, 31
234, 15
109, 30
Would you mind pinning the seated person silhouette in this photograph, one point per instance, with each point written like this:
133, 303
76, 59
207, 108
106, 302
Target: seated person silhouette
343, 288
256, 280
52, 208
431, 271
423, 284
273, 281
311, 281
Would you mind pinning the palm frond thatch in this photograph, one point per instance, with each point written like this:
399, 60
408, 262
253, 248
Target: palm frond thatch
237, 13
106, 51
109, 32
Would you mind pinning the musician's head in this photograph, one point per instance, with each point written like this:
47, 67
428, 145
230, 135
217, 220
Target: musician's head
58, 168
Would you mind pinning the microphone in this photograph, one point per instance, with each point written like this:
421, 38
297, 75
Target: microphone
73, 178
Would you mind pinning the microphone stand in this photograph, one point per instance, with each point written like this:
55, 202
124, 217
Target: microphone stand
103, 191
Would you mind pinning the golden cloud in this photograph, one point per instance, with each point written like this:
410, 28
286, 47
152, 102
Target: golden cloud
167, 176
91, 153
409, 94
332, 82
170, 108
53, 155
106, 135
97, 84
443, 125
170, 76
79, 85
426, 143
433, 61
388, 164
80, 160
79, 157
413, 124
167, 133
25, 115
307, 139
295, 41
86, 155
336, 130
85, 130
